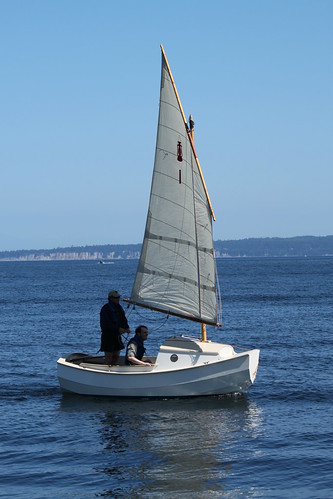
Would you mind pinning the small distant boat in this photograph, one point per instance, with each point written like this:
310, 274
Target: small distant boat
105, 263
176, 275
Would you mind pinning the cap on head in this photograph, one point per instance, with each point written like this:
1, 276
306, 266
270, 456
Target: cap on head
113, 294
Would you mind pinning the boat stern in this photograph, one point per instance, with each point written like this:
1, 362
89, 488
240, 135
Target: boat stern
253, 363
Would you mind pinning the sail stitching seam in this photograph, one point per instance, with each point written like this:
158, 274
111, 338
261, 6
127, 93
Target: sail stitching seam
161, 273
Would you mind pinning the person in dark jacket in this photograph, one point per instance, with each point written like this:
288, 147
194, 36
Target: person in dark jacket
135, 349
113, 324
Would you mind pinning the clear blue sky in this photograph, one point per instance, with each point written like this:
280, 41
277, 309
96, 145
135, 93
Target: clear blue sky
79, 90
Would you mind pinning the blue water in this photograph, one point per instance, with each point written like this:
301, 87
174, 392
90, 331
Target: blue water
275, 442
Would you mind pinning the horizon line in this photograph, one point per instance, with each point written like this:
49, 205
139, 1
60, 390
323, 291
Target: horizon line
140, 244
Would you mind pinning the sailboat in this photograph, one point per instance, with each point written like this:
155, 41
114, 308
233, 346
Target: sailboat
177, 276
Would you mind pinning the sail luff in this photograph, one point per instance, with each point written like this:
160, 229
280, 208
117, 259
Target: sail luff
188, 133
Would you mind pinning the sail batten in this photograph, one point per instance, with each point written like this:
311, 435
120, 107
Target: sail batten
179, 278
176, 272
186, 242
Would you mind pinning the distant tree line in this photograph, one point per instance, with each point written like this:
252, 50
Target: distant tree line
276, 247
106, 251
254, 247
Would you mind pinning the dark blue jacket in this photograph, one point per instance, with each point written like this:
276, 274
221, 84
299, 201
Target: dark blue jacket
112, 317
140, 349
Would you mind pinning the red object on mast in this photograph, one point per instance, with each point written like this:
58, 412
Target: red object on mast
179, 151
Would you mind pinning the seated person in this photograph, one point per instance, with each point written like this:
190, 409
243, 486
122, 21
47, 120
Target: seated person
135, 348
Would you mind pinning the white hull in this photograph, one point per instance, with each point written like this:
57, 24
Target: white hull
184, 367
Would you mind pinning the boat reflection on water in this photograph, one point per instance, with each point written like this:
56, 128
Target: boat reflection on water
186, 446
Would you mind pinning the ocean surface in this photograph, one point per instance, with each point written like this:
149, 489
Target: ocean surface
277, 441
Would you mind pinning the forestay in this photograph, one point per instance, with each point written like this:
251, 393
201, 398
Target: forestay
176, 271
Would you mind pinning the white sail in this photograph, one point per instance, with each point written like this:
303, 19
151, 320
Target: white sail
176, 272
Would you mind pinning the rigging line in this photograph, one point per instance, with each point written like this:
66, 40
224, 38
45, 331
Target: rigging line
218, 293
144, 317
127, 336
131, 311
163, 323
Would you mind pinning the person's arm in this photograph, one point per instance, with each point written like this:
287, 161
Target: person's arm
138, 362
123, 330
131, 355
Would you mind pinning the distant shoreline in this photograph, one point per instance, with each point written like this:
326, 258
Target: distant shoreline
305, 246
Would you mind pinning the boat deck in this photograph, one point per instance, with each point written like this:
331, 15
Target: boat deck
98, 360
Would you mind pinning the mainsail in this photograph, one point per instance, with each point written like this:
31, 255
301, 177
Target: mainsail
176, 271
